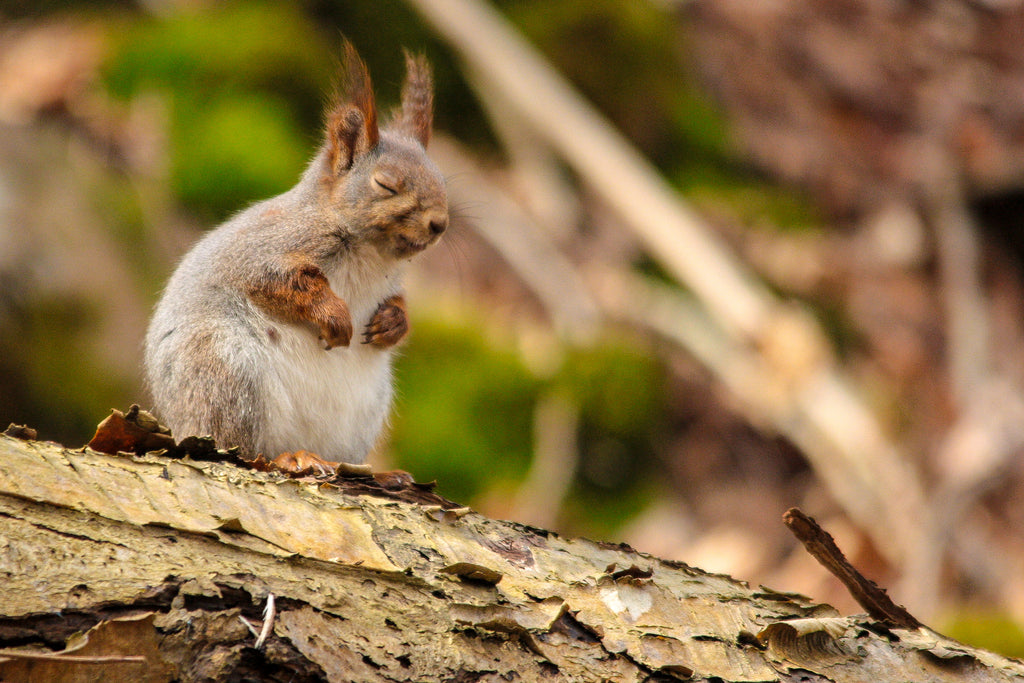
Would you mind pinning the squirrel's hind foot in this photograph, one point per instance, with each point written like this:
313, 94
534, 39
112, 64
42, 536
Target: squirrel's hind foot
304, 464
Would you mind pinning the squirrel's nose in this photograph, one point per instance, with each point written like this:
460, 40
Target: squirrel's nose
438, 225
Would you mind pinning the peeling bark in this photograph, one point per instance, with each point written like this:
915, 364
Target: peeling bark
107, 559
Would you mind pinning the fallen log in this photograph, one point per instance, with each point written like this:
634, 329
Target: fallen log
152, 568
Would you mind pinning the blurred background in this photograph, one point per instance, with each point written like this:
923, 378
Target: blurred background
708, 260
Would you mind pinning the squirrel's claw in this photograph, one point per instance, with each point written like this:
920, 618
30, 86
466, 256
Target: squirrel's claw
336, 331
389, 324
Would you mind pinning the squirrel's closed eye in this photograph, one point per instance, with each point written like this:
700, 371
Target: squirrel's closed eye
386, 185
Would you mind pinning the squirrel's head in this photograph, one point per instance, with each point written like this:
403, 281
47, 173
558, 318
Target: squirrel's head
379, 184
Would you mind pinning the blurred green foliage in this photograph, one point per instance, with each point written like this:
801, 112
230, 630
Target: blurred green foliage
465, 414
989, 630
464, 410
244, 83
619, 387
232, 149
48, 363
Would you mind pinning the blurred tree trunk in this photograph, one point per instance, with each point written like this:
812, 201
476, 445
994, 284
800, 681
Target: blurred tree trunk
149, 568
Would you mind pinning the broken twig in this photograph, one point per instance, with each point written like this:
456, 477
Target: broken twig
820, 544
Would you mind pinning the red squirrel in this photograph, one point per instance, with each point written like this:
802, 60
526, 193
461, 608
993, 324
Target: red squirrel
275, 332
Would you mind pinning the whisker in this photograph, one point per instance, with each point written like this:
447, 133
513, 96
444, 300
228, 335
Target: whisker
459, 211
455, 176
454, 247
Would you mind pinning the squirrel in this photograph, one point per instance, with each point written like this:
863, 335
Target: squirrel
252, 341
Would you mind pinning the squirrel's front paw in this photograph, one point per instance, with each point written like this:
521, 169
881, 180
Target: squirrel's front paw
336, 325
389, 324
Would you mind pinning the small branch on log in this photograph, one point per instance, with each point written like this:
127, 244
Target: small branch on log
21, 432
820, 544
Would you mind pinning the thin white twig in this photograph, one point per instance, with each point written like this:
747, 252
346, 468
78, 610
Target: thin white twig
269, 612
248, 625
73, 659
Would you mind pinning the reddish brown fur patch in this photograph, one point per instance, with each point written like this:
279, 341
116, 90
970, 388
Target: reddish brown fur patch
303, 295
389, 324
352, 118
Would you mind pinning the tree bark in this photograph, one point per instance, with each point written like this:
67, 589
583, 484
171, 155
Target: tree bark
154, 569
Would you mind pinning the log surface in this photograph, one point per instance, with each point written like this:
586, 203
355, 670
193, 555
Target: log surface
109, 559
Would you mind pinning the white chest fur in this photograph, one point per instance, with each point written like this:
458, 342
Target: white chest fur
333, 403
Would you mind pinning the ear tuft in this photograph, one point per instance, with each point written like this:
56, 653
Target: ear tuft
352, 117
417, 115
359, 90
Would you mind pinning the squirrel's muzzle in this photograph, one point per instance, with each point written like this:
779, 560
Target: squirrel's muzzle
437, 226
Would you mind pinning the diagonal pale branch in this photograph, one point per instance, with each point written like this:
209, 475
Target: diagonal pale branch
523, 244
814, 408
374, 589
673, 232
814, 403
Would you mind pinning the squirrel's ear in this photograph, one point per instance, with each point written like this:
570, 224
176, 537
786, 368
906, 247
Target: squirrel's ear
352, 120
417, 116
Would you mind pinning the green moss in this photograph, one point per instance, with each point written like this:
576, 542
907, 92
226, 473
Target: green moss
617, 385
748, 196
244, 82
989, 630
464, 410
232, 149
465, 414
45, 356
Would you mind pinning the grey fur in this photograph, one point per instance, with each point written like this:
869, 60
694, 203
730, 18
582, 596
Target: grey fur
218, 364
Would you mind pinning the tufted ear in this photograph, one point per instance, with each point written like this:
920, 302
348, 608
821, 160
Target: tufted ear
417, 114
352, 118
